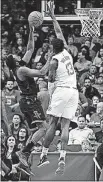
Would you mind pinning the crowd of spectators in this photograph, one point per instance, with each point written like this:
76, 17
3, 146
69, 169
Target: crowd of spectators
86, 129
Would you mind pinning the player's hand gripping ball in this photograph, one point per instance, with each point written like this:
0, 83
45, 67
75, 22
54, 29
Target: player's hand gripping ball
35, 19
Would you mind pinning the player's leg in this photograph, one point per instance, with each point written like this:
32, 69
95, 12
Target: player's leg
48, 139
65, 123
67, 115
34, 116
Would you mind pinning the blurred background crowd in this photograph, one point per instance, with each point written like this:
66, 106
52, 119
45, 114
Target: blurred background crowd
86, 131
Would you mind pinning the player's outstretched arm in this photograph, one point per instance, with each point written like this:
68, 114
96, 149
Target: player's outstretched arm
24, 71
52, 70
57, 27
30, 46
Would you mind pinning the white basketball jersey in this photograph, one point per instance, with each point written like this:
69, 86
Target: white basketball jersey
65, 73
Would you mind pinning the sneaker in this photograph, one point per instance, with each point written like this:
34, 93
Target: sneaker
43, 161
61, 167
23, 158
26, 170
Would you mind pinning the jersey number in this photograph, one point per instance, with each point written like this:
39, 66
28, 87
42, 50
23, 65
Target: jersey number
70, 68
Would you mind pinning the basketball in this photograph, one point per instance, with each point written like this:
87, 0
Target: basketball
35, 18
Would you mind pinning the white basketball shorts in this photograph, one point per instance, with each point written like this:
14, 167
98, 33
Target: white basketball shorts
64, 102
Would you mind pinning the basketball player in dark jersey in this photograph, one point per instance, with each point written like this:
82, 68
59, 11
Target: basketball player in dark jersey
29, 104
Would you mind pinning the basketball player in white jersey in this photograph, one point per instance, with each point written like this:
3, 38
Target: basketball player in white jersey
64, 99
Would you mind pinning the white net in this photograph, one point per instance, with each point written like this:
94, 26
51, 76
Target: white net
90, 20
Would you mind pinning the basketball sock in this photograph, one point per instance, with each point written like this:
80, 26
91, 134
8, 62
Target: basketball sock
44, 152
62, 154
28, 148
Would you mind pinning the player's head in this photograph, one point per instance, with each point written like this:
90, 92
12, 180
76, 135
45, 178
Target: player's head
14, 61
58, 45
11, 62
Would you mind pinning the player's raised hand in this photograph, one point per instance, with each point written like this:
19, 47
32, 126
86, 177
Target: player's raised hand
32, 28
50, 7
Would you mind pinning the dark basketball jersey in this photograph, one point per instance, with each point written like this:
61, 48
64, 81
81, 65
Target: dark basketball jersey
27, 87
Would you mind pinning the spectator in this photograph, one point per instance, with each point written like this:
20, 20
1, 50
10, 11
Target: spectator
83, 104
11, 146
78, 112
23, 31
17, 123
22, 138
93, 53
9, 23
99, 134
101, 69
91, 74
88, 43
6, 165
77, 32
82, 65
3, 62
44, 48
39, 65
5, 10
95, 45
12, 96
38, 147
81, 133
41, 52
96, 118
4, 119
16, 36
19, 48
88, 90
99, 85
51, 37
3, 137
98, 61
5, 44
85, 51
93, 106
85, 146
40, 80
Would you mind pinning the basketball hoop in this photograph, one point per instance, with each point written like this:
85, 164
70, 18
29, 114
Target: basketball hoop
90, 20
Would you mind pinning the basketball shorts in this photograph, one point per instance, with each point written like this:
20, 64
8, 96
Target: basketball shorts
32, 110
64, 103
